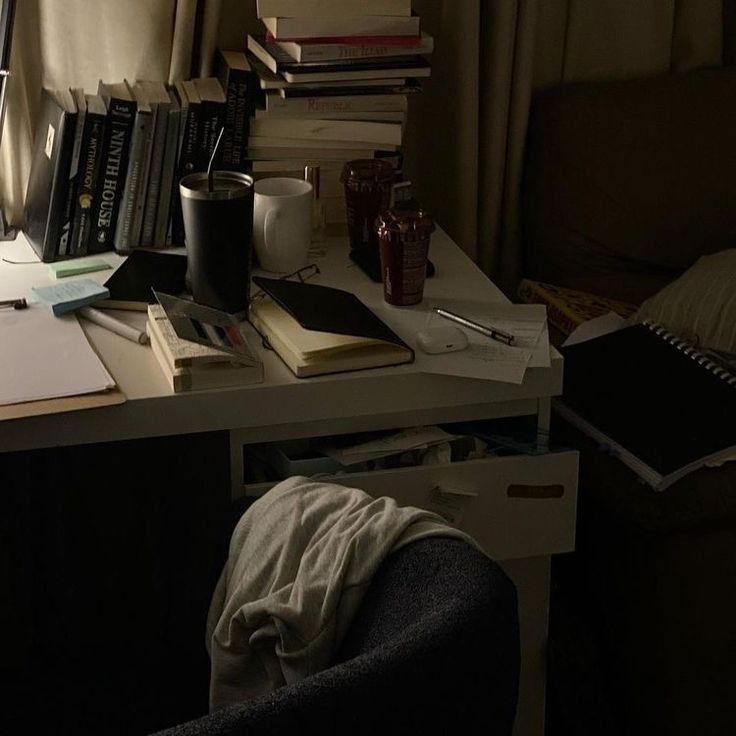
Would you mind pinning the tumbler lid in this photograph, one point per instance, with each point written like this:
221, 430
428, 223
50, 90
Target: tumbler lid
403, 220
226, 185
367, 169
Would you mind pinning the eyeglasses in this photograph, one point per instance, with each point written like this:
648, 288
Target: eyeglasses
303, 274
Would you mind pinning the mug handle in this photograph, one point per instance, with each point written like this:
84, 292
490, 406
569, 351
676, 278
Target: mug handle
269, 228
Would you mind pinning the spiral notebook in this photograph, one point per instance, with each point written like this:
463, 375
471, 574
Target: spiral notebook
659, 404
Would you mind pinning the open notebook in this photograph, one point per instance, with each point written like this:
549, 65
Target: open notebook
318, 330
664, 408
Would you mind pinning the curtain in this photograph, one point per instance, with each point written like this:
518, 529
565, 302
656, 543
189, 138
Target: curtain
466, 132
75, 43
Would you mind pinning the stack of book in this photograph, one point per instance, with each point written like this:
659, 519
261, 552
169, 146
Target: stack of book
106, 166
189, 366
335, 78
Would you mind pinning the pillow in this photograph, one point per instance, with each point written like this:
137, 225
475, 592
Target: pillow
700, 306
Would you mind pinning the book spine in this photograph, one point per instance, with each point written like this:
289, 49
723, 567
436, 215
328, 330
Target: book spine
116, 150
333, 104
91, 157
144, 180
168, 166
187, 164
153, 192
55, 240
67, 222
211, 118
124, 236
306, 52
239, 86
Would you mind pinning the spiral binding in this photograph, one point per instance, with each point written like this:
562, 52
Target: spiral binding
691, 352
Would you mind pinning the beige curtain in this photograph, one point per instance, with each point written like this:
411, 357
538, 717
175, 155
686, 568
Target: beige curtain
75, 43
465, 147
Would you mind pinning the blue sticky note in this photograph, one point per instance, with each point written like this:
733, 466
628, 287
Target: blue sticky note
69, 296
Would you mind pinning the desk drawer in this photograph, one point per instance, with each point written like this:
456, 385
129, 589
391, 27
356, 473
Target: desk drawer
518, 506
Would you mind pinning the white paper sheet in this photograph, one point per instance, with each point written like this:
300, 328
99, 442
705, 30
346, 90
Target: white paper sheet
490, 360
45, 357
596, 327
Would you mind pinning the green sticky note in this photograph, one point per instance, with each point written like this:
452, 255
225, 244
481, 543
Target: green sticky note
73, 268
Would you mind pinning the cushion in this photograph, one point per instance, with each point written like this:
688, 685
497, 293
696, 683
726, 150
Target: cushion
627, 183
700, 306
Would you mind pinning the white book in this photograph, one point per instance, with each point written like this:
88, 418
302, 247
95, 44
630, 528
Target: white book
343, 8
331, 26
265, 141
375, 117
276, 60
355, 49
323, 104
220, 374
328, 130
317, 155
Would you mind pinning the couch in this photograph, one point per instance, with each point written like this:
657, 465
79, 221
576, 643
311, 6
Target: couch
626, 185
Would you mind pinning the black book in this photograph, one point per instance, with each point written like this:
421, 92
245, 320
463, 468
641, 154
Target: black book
132, 201
90, 157
169, 186
48, 183
131, 286
663, 407
239, 83
121, 108
211, 114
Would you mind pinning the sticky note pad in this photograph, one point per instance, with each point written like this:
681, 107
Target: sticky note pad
67, 297
74, 268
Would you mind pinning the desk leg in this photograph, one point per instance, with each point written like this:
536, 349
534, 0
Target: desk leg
532, 579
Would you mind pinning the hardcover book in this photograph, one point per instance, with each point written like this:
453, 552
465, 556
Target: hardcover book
654, 401
318, 329
279, 62
568, 308
336, 26
212, 113
357, 48
133, 194
48, 182
160, 102
295, 8
239, 83
66, 248
90, 157
121, 109
169, 183
131, 285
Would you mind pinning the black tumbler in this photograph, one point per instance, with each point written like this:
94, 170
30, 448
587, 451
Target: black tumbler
218, 230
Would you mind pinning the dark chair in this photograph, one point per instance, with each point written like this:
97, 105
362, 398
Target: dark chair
434, 649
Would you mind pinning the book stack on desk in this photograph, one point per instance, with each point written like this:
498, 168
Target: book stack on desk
336, 77
189, 366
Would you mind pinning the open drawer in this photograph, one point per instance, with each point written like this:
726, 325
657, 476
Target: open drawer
515, 506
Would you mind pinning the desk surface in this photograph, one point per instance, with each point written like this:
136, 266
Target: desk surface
283, 405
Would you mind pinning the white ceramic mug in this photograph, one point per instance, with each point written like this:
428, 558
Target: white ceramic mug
282, 210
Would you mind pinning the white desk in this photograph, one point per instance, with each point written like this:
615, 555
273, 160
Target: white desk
521, 509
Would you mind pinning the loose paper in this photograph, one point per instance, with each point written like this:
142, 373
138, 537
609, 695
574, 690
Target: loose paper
46, 357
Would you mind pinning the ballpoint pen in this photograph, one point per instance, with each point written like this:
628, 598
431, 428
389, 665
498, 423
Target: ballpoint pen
493, 332
14, 303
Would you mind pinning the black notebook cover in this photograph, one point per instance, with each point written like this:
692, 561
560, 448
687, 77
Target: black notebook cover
132, 284
664, 407
48, 182
325, 309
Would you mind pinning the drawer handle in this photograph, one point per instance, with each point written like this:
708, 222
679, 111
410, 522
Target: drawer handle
449, 491
517, 490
